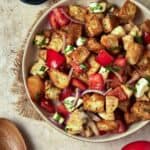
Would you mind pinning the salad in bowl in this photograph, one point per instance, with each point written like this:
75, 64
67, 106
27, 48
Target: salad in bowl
92, 72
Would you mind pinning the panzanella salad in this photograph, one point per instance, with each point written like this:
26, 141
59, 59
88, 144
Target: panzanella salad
92, 75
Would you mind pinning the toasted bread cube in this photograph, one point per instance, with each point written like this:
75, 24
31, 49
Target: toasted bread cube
130, 118
112, 103
107, 116
93, 25
134, 52
127, 41
35, 86
107, 125
124, 105
146, 26
109, 23
58, 78
77, 12
141, 110
94, 103
56, 42
75, 122
127, 90
94, 66
79, 55
127, 11
135, 31
93, 45
110, 41
42, 54
118, 31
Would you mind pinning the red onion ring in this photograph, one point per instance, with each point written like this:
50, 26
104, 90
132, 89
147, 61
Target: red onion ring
92, 91
93, 116
93, 127
71, 19
76, 97
118, 76
70, 74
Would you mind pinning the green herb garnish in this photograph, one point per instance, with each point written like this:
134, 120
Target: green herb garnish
138, 39
113, 68
42, 68
83, 66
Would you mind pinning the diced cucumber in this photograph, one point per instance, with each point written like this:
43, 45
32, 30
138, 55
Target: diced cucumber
98, 7
69, 49
58, 118
69, 103
83, 66
104, 72
80, 41
142, 86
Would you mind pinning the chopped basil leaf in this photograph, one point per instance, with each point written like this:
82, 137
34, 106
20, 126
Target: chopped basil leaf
115, 48
113, 68
133, 89
42, 68
83, 66
69, 49
138, 39
148, 79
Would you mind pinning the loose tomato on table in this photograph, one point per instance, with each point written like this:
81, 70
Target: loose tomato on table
65, 93
57, 17
138, 145
79, 84
54, 59
60, 108
96, 82
104, 58
45, 104
146, 37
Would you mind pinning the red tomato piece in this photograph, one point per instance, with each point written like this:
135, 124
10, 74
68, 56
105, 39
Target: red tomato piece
66, 93
58, 18
79, 84
120, 62
47, 106
138, 145
60, 108
96, 82
118, 92
54, 59
53, 21
104, 58
147, 37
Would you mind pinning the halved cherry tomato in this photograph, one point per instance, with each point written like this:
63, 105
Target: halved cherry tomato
57, 18
79, 84
147, 37
118, 92
54, 59
104, 58
96, 82
138, 145
60, 108
66, 93
47, 106
120, 62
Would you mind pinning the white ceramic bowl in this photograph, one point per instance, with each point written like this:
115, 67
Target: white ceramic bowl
30, 56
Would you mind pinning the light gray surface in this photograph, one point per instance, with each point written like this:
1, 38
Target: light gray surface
15, 20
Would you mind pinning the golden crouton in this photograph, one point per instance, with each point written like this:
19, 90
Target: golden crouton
134, 52
127, 41
82, 76
35, 86
127, 11
141, 110
51, 92
94, 66
146, 26
110, 41
93, 25
130, 118
93, 45
73, 32
56, 42
107, 125
124, 105
77, 12
75, 122
94, 103
109, 23
42, 54
58, 78
79, 55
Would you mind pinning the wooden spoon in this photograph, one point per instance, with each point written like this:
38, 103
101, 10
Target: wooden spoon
10, 136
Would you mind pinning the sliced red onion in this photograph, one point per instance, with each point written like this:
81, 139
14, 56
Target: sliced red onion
71, 19
134, 77
93, 127
93, 116
77, 94
70, 74
92, 91
118, 76
108, 91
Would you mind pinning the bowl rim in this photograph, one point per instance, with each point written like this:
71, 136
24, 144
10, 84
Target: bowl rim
49, 122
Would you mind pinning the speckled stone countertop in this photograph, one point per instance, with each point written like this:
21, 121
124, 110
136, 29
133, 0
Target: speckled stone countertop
15, 21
